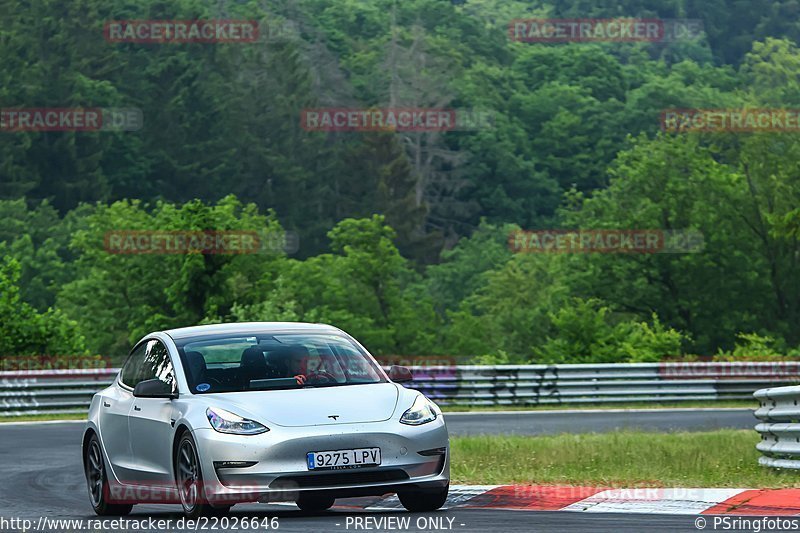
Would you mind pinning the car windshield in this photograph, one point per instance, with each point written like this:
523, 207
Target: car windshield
275, 361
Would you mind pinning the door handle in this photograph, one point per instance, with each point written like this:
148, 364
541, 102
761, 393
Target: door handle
137, 408
106, 404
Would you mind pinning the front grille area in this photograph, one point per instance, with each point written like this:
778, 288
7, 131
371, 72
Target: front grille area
328, 479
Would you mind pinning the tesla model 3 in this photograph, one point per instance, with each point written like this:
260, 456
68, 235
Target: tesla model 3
211, 416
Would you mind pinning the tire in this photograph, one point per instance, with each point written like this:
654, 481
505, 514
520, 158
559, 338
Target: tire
424, 500
189, 480
314, 502
94, 467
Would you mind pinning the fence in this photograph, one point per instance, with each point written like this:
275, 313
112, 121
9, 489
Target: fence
39, 392
779, 427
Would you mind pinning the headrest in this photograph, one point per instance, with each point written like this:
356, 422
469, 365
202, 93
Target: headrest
196, 363
253, 357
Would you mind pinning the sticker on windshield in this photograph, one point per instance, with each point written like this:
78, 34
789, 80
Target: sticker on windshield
202, 387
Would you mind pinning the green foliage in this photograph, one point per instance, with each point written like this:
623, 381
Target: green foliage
646, 343
755, 347
117, 298
510, 311
38, 239
462, 269
403, 234
499, 358
24, 331
584, 332
365, 287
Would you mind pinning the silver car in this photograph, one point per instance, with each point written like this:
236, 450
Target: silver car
211, 416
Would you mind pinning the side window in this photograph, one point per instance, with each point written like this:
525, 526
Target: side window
130, 370
149, 361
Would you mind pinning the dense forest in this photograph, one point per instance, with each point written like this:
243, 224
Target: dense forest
403, 235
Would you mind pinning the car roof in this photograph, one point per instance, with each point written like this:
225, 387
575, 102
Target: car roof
250, 328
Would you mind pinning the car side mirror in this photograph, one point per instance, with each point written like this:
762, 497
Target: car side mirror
400, 374
153, 388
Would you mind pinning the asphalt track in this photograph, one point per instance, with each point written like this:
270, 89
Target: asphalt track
42, 476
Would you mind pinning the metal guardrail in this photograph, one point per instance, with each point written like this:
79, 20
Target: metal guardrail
44, 392
779, 414
51, 391
600, 383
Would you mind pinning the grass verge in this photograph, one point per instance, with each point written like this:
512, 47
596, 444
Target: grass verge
725, 458
57, 416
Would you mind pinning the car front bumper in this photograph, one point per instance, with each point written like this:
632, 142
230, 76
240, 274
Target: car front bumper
272, 466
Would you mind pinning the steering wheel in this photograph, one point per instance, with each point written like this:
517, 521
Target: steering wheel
315, 376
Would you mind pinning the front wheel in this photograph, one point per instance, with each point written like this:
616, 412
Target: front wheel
424, 500
97, 481
189, 477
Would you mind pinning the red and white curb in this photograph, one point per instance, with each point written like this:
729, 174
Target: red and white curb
673, 501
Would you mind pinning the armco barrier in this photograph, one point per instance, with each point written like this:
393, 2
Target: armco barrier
58, 391
600, 383
51, 391
779, 413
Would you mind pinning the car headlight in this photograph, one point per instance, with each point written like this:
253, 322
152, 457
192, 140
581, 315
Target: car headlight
422, 412
227, 422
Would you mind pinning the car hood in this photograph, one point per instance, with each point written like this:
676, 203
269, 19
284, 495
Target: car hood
350, 404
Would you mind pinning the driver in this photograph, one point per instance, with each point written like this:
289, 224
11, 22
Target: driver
293, 362
289, 362
297, 364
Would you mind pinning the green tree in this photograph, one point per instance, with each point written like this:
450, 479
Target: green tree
117, 298
24, 331
365, 287
586, 331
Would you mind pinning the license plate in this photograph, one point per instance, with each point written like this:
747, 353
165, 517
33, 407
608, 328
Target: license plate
338, 459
